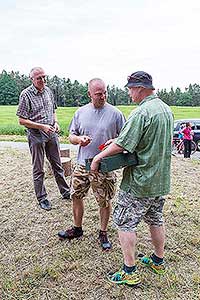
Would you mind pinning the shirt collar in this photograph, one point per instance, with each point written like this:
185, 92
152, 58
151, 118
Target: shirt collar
148, 98
36, 92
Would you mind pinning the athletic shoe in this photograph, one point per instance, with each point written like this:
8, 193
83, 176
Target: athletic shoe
71, 233
103, 239
156, 268
120, 277
45, 204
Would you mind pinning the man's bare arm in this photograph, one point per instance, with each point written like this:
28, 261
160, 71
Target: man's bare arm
30, 124
82, 140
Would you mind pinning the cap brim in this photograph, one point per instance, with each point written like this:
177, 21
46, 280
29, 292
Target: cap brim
133, 84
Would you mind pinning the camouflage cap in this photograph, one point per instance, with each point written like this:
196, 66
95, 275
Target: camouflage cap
140, 78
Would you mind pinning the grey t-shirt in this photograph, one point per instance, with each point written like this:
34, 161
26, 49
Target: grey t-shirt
101, 124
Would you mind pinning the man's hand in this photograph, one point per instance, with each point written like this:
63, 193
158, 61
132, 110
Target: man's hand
84, 140
57, 127
94, 167
110, 150
48, 128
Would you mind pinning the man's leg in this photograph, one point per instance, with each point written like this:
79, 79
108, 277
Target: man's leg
53, 155
128, 242
78, 211
37, 148
156, 260
103, 186
158, 239
105, 215
37, 151
155, 220
76, 230
126, 215
80, 187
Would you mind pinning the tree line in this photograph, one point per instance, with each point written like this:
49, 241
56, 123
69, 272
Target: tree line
68, 93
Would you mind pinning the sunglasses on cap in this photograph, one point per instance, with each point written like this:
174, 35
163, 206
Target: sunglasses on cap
138, 77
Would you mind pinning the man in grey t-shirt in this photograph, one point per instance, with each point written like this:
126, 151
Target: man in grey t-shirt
92, 125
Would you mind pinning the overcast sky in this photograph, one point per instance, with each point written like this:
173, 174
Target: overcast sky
110, 39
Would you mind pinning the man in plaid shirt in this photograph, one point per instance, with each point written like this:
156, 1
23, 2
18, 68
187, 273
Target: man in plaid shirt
36, 111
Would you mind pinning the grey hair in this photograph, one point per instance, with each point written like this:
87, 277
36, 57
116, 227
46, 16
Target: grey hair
33, 71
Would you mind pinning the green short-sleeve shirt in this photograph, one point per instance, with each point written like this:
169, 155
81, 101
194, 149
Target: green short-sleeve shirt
148, 131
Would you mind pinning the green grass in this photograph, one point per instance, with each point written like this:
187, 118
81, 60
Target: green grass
9, 121
35, 265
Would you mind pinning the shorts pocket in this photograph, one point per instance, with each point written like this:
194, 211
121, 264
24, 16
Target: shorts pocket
120, 215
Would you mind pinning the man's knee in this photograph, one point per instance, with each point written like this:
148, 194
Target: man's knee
76, 200
103, 203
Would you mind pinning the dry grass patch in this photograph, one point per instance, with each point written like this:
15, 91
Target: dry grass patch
34, 264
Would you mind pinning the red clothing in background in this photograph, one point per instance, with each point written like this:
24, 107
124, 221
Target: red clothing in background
187, 133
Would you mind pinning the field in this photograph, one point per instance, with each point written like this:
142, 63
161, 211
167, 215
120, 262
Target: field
9, 121
35, 265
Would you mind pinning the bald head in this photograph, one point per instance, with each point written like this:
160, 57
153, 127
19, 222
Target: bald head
95, 82
97, 92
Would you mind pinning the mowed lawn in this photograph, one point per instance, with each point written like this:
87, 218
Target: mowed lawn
35, 265
9, 121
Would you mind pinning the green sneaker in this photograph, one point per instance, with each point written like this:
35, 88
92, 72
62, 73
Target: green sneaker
156, 268
121, 277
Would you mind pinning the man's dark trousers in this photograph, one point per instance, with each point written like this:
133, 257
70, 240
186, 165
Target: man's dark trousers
40, 144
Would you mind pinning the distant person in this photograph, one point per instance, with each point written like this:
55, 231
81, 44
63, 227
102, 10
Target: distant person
180, 133
180, 137
187, 139
36, 112
92, 125
148, 132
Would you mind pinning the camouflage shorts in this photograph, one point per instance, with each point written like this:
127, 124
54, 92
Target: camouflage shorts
130, 210
103, 185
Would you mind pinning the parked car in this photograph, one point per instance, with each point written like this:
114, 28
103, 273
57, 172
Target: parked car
195, 127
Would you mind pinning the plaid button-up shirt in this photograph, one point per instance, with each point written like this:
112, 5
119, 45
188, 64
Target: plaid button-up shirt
148, 132
37, 106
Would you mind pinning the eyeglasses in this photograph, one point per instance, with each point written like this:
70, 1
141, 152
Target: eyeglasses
100, 94
41, 77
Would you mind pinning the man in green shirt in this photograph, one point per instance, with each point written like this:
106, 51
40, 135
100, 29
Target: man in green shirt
148, 133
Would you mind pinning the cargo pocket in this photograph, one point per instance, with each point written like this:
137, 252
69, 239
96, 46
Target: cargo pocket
120, 216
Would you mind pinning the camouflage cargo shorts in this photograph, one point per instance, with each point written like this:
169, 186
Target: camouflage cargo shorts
103, 185
130, 210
